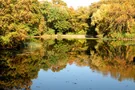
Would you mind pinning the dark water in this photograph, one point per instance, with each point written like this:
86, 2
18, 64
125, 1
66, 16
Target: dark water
69, 65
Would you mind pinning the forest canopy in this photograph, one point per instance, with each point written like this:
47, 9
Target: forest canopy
21, 19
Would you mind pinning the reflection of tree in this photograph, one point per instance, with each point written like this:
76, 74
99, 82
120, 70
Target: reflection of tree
18, 68
79, 54
114, 59
56, 56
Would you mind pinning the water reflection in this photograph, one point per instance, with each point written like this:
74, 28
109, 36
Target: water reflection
118, 60
19, 67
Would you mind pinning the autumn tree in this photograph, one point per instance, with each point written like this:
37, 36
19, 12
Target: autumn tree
113, 17
78, 19
19, 19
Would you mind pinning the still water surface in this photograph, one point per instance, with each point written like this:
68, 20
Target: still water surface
69, 65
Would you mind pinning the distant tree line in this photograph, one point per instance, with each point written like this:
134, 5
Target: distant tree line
23, 18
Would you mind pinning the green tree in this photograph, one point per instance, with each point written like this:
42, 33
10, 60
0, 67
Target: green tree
56, 15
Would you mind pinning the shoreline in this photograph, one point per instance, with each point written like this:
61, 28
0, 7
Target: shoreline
59, 36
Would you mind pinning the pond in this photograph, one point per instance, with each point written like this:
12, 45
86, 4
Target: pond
69, 65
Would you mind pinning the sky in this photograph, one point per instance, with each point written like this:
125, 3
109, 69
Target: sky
77, 3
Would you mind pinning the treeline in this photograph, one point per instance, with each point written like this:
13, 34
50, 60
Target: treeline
23, 18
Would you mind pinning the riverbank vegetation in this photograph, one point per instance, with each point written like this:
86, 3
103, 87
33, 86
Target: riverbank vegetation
105, 19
